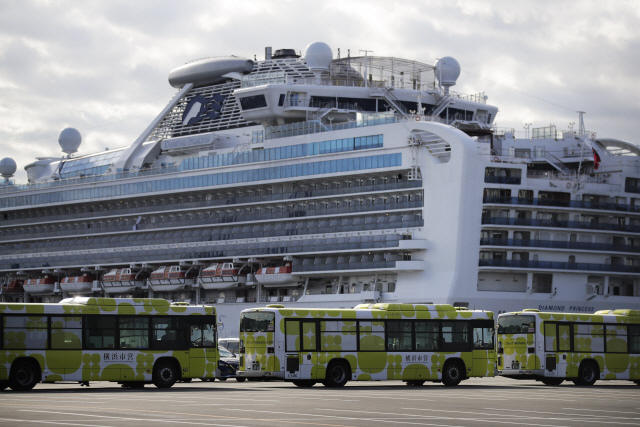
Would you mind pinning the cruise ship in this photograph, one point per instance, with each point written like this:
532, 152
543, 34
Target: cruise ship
310, 179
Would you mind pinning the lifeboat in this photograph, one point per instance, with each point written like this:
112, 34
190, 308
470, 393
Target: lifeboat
169, 278
13, 287
222, 276
276, 276
43, 285
78, 284
121, 280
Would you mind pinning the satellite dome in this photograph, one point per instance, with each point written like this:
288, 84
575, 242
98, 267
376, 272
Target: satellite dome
7, 167
69, 140
447, 71
318, 56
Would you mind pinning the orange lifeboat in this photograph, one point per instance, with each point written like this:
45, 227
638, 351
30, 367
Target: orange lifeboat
78, 284
276, 276
42, 285
222, 276
169, 278
121, 280
13, 287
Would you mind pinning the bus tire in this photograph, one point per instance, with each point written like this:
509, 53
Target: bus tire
588, 373
452, 374
165, 374
24, 376
240, 379
304, 383
337, 374
552, 381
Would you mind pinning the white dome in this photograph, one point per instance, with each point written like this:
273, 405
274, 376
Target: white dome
69, 140
447, 71
318, 56
7, 167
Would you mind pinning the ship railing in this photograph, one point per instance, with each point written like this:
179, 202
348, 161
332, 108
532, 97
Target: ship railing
312, 127
221, 220
209, 251
553, 265
137, 210
88, 179
158, 241
562, 224
559, 245
561, 203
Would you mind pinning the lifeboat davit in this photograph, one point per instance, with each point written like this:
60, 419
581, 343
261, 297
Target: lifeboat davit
169, 278
276, 276
120, 280
13, 287
43, 285
78, 284
222, 276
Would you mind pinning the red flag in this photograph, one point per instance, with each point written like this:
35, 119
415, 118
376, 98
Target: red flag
596, 159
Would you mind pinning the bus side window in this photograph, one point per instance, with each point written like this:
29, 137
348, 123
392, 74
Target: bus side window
483, 335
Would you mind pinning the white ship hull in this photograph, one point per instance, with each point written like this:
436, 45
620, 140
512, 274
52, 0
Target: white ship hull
391, 191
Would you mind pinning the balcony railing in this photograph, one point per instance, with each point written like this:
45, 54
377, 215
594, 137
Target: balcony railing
552, 265
559, 245
561, 224
562, 203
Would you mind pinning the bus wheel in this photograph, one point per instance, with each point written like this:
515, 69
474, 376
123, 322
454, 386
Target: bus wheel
304, 383
23, 376
415, 382
552, 381
337, 375
240, 379
165, 374
588, 373
452, 374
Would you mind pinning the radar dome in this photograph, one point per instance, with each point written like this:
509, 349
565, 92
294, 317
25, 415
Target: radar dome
7, 167
318, 56
69, 140
447, 71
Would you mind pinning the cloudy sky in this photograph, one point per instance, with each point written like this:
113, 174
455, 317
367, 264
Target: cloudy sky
102, 66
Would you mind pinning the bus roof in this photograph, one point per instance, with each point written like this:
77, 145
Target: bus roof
89, 305
425, 311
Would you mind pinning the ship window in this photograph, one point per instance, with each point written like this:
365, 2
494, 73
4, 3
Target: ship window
253, 102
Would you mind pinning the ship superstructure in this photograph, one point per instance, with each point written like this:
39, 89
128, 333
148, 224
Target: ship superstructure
330, 182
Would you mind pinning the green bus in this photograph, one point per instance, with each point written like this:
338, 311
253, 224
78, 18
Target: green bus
132, 341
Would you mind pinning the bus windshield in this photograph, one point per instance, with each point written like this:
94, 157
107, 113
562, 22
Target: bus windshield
257, 321
516, 324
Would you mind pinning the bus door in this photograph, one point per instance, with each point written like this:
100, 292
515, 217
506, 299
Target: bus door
309, 352
483, 347
557, 344
292, 349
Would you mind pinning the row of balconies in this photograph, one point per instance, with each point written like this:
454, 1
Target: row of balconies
167, 203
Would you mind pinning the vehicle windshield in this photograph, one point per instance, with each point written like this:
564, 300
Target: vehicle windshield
515, 324
224, 352
257, 321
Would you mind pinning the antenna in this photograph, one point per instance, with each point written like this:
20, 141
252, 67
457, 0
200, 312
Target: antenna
581, 130
365, 65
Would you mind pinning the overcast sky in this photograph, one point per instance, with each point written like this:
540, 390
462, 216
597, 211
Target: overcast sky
102, 66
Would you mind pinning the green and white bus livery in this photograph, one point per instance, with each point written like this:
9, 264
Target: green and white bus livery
553, 347
412, 343
127, 340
